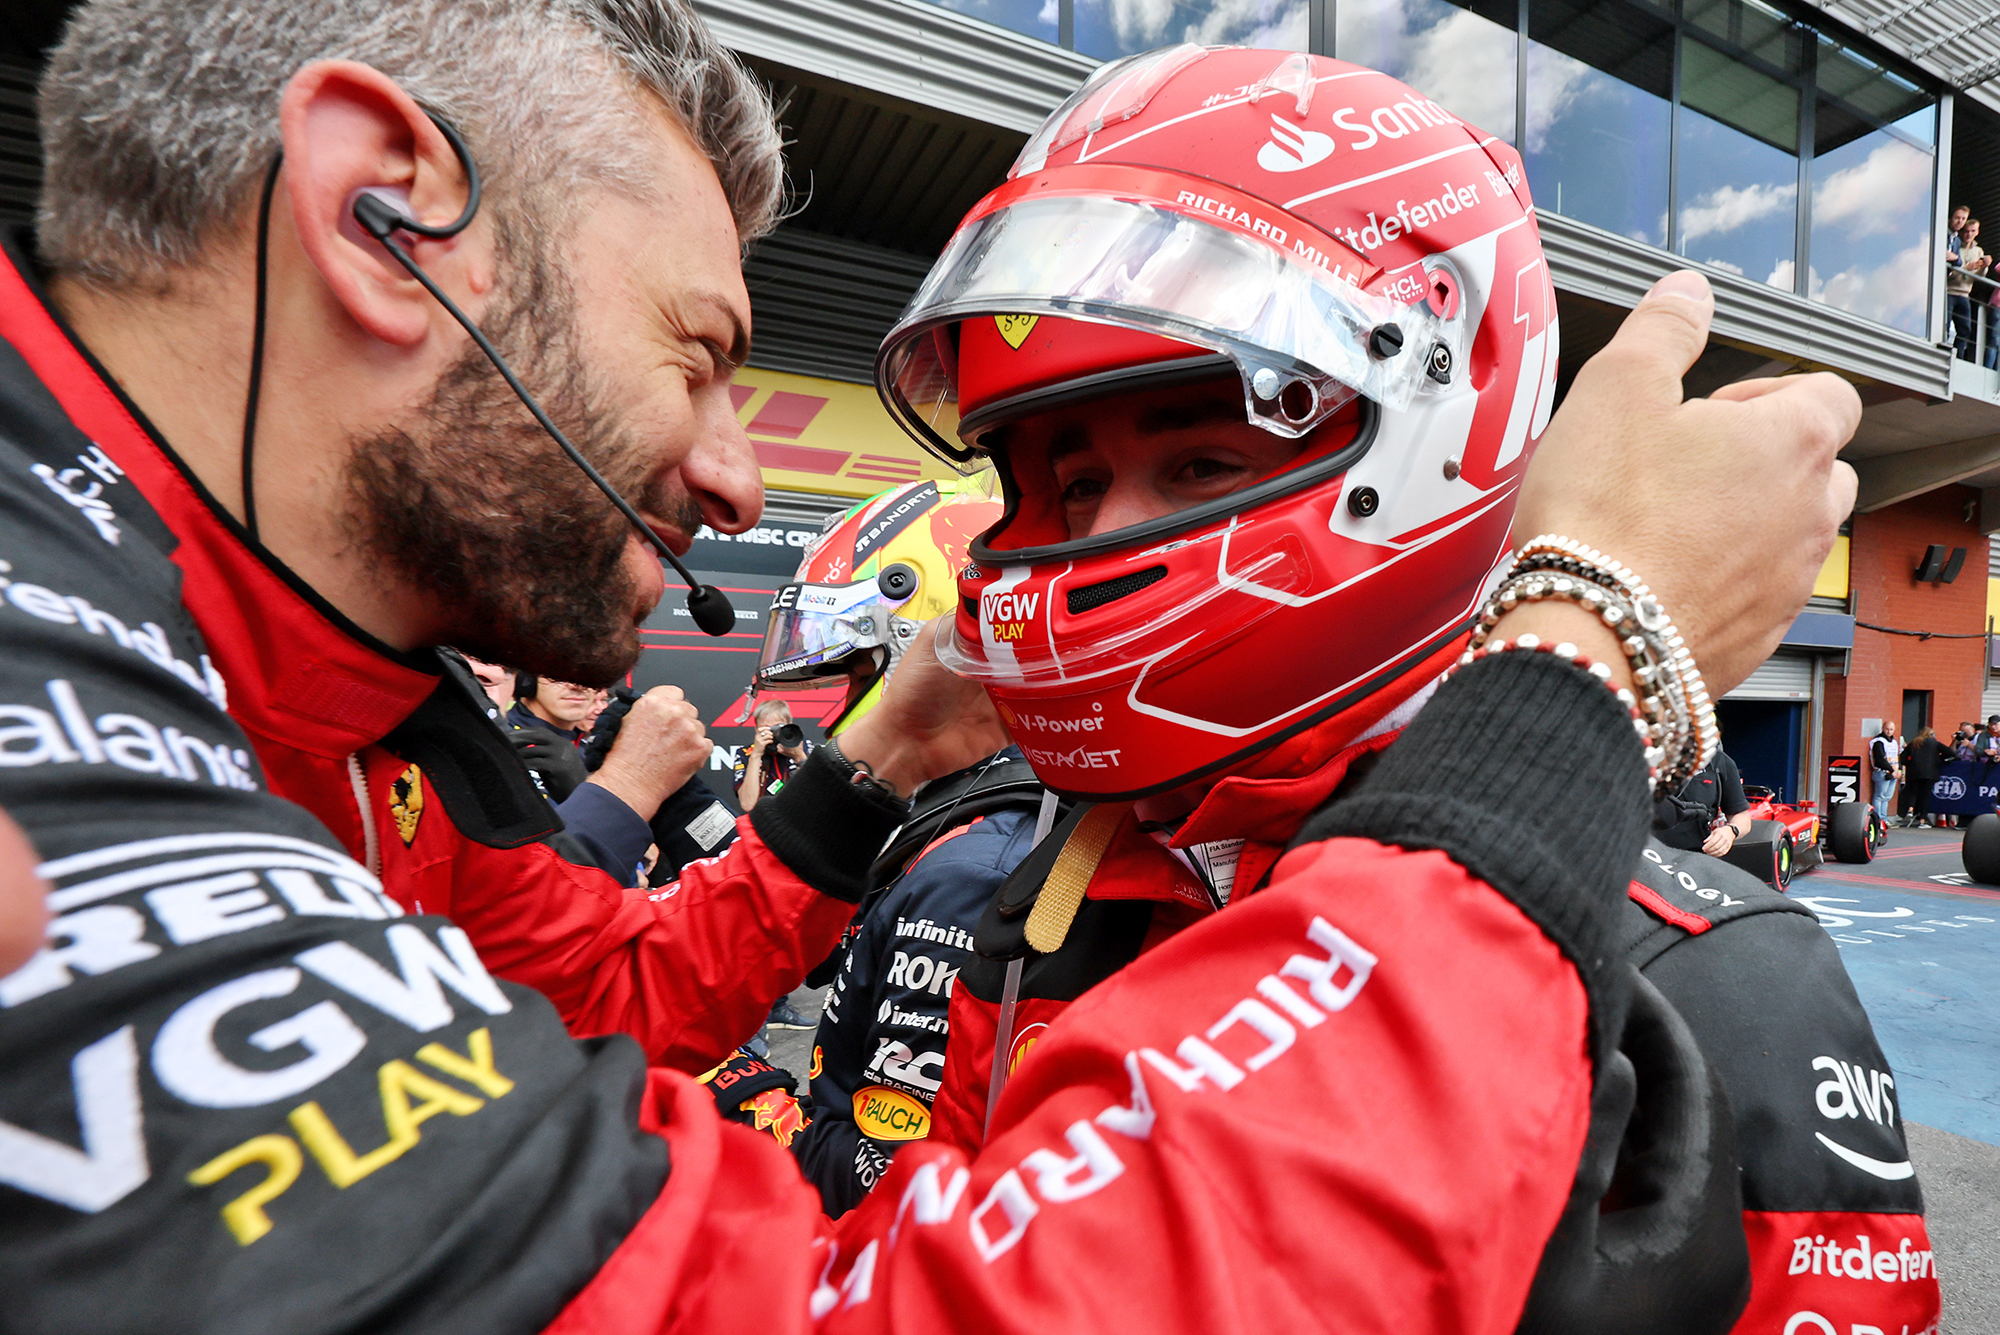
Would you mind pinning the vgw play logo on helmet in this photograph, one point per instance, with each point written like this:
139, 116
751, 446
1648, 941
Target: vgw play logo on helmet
1292, 149
1008, 614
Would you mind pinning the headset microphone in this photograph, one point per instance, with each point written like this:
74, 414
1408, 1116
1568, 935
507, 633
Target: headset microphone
381, 215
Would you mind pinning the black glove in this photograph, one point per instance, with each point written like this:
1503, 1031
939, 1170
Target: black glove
604, 733
555, 762
751, 1092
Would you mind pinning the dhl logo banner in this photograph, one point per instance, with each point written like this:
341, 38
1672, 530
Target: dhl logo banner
826, 436
890, 1114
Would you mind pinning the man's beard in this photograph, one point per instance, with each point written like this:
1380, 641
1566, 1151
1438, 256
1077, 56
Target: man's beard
475, 506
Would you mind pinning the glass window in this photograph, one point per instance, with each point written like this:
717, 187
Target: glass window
1752, 28
1874, 136
1739, 166
1461, 57
1036, 18
1108, 29
1600, 73
1871, 221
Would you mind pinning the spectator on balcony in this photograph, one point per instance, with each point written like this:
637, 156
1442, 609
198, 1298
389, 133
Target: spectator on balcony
1966, 261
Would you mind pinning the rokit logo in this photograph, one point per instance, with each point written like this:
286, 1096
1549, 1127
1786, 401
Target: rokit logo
921, 973
1292, 149
1007, 614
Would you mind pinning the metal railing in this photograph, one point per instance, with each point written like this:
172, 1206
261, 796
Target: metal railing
1984, 340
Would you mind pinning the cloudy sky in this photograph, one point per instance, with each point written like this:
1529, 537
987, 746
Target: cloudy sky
1597, 148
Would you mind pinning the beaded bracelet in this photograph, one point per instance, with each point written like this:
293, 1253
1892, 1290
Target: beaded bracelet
1676, 673
1569, 652
1680, 735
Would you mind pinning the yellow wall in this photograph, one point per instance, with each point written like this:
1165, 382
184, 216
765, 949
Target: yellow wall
1832, 581
1993, 602
826, 436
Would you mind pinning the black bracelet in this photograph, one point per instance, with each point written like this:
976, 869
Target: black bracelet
858, 772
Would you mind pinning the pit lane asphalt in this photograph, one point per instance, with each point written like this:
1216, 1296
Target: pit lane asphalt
1922, 945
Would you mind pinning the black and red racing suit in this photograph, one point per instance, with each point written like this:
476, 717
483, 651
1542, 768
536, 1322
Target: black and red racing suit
1832, 1209
394, 753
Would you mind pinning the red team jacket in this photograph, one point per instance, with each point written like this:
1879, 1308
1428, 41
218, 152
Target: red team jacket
246, 1088
1833, 1215
681, 969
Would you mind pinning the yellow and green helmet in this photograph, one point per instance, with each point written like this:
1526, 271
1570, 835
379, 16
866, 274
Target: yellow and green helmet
868, 585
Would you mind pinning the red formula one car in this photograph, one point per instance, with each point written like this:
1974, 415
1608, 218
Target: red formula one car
1789, 837
1784, 838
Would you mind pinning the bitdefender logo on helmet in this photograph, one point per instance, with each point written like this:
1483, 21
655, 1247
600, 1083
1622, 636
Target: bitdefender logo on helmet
1292, 149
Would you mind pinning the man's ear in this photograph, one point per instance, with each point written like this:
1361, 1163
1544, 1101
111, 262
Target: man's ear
349, 128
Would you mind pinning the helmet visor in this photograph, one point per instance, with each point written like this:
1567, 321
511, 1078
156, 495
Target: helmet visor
814, 629
1304, 338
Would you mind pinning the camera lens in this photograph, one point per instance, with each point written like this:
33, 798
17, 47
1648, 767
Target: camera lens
790, 735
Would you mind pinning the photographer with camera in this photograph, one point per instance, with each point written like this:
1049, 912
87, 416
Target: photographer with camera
1709, 813
780, 747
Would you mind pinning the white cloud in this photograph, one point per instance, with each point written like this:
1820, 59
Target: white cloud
1049, 14
1557, 81
1258, 23
1466, 65
1892, 292
1875, 195
1725, 266
1729, 207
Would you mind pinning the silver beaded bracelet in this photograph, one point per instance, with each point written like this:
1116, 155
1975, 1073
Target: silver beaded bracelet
1677, 726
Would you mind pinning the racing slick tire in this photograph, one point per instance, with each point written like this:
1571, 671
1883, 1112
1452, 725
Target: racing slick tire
1981, 851
1851, 833
1765, 852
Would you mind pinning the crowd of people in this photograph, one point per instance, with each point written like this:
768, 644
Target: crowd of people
1906, 770
1184, 983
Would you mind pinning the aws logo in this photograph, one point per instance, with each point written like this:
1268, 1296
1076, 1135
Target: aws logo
1007, 614
1291, 149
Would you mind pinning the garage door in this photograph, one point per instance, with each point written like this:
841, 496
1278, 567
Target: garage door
1782, 676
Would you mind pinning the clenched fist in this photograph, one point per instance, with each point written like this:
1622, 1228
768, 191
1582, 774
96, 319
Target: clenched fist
659, 748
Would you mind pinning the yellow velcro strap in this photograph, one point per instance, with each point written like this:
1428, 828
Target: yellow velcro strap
1062, 894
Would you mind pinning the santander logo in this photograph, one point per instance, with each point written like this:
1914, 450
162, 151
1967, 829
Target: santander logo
1292, 149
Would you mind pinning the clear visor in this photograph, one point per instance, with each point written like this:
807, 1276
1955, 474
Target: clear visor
814, 629
1304, 339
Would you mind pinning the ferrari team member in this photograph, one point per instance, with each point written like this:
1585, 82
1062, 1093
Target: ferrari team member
1140, 612
351, 513
229, 1002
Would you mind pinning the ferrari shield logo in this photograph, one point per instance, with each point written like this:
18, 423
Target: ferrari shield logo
1015, 328
406, 802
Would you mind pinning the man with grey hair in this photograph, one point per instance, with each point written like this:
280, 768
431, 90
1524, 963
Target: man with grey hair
303, 478
351, 483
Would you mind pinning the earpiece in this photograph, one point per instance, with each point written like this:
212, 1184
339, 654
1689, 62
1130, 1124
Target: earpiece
383, 211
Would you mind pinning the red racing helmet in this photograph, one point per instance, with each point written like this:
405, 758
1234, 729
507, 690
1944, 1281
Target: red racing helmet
1366, 267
